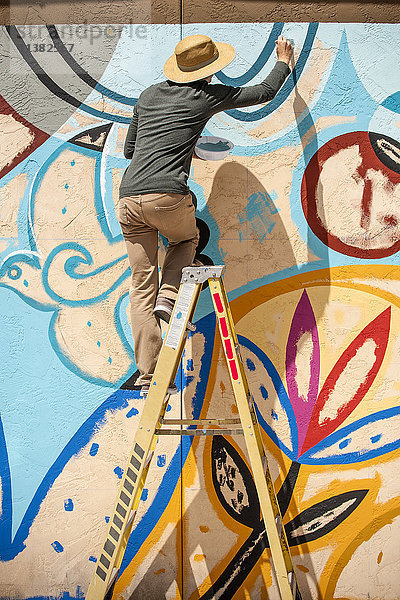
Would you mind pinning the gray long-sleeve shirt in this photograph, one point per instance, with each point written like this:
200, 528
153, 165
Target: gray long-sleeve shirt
167, 121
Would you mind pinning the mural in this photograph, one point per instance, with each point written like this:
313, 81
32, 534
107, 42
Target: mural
304, 213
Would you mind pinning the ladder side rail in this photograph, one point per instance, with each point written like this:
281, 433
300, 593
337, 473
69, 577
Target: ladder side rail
269, 506
257, 430
132, 483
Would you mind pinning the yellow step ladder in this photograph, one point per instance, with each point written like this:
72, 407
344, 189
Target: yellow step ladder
151, 426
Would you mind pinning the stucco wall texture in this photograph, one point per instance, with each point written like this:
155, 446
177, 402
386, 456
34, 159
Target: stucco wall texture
304, 213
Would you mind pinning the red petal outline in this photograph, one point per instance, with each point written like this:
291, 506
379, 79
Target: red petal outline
39, 136
377, 330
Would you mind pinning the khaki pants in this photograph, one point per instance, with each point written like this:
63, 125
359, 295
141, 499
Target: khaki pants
141, 218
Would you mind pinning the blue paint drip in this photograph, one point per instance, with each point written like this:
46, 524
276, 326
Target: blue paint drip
25, 283
250, 365
376, 438
345, 443
274, 415
89, 324
57, 546
119, 472
169, 407
189, 364
132, 413
92, 559
93, 449
107, 519
145, 494
110, 360
63, 210
264, 392
161, 460
68, 505
98, 343
66, 186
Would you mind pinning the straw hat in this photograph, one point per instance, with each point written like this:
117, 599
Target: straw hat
197, 56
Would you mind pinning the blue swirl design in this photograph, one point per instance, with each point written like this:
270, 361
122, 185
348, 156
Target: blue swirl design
72, 264
258, 64
287, 87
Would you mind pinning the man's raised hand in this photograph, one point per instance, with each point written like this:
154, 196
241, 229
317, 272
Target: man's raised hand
284, 49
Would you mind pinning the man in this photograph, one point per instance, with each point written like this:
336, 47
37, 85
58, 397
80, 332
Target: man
167, 121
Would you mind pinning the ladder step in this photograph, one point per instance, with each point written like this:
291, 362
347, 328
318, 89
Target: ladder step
199, 431
201, 421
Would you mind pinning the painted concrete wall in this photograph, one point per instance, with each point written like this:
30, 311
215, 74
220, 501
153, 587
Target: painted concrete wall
305, 214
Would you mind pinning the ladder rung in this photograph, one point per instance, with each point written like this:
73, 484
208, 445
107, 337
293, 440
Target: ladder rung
199, 431
201, 421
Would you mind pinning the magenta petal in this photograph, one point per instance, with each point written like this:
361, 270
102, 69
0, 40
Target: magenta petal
302, 339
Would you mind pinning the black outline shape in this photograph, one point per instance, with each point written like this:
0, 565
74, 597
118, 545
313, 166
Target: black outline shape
51, 85
220, 449
94, 133
319, 510
249, 553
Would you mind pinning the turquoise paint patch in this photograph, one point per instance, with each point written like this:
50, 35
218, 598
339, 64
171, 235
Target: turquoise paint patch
110, 360
393, 103
57, 546
257, 218
89, 324
93, 449
25, 283
63, 210
68, 505
98, 343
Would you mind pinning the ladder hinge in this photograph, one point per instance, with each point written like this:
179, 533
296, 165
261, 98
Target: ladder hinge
201, 274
